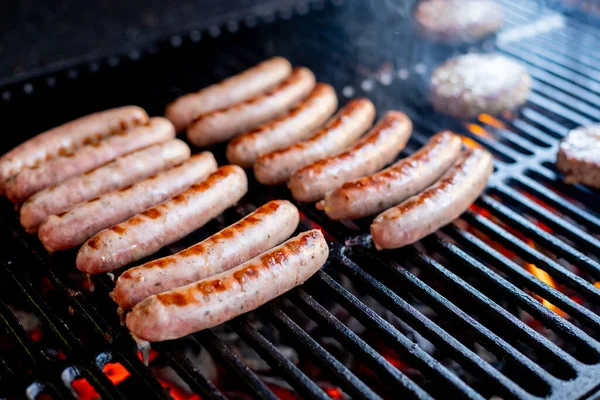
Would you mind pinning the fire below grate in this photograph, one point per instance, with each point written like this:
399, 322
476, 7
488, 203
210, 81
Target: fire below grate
501, 304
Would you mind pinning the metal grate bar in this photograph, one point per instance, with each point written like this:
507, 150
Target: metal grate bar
297, 379
532, 133
530, 229
579, 56
397, 340
530, 254
557, 109
583, 194
565, 99
429, 329
553, 199
551, 127
347, 380
512, 196
527, 303
224, 355
385, 371
498, 260
515, 140
542, 76
482, 334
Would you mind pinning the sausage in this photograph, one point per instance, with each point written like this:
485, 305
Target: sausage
86, 158
285, 130
221, 125
70, 229
65, 138
212, 301
260, 231
437, 206
238, 88
120, 173
376, 149
409, 176
161, 225
341, 130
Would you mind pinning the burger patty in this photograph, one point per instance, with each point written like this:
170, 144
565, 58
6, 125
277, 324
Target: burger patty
579, 156
458, 21
470, 84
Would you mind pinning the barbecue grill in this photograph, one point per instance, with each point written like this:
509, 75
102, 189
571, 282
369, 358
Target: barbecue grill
501, 304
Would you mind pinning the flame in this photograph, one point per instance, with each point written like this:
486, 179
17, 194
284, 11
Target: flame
177, 393
84, 390
479, 131
116, 372
470, 143
491, 121
597, 284
334, 393
547, 279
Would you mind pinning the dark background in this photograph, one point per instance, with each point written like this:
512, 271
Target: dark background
38, 33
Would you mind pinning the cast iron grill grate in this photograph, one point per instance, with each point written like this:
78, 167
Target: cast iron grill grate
467, 313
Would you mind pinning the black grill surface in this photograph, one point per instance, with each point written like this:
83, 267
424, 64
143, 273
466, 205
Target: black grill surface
459, 315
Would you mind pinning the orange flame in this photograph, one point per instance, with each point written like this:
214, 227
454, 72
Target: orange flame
547, 279
470, 143
116, 372
334, 393
479, 131
491, 121
597, 284
177, 393
84, 390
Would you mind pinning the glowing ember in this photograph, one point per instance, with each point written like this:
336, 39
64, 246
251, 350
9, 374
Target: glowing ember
479, 131
547, 279
597, 284
116, 372
177, 393
334, 393
84, 390
491, 121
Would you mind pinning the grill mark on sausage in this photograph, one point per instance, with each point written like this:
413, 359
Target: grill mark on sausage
295, 77
348, 110
119, 229
270, 260
152, 213
93, 242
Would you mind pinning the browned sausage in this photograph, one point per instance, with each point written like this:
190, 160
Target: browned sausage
218, 299
149, 231
343, 129
65, 138
266, 227
409, 176
68, 230
122, 172
376, 149
238, 88
285, 130
437, 206
86, 158
221, 125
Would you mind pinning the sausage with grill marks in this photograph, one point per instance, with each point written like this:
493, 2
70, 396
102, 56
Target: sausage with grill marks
161, 225
212, 301
371, 153
285, 130
341, 130
409, 176
263, 229
241, 87
437, 206
221, 125
86, 158
70, 229
120, 173
65, 138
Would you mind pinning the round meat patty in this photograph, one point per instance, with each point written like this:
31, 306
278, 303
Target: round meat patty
579, 156
468, 85
458, 21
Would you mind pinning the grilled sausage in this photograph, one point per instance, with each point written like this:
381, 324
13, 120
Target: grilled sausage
285, 130
86, 158
64, 231
228, 92
218, 299
260, 231
149, 231
409, 176
344, 128
122, 172
437, 206
65, 138
371, 153
221, 125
